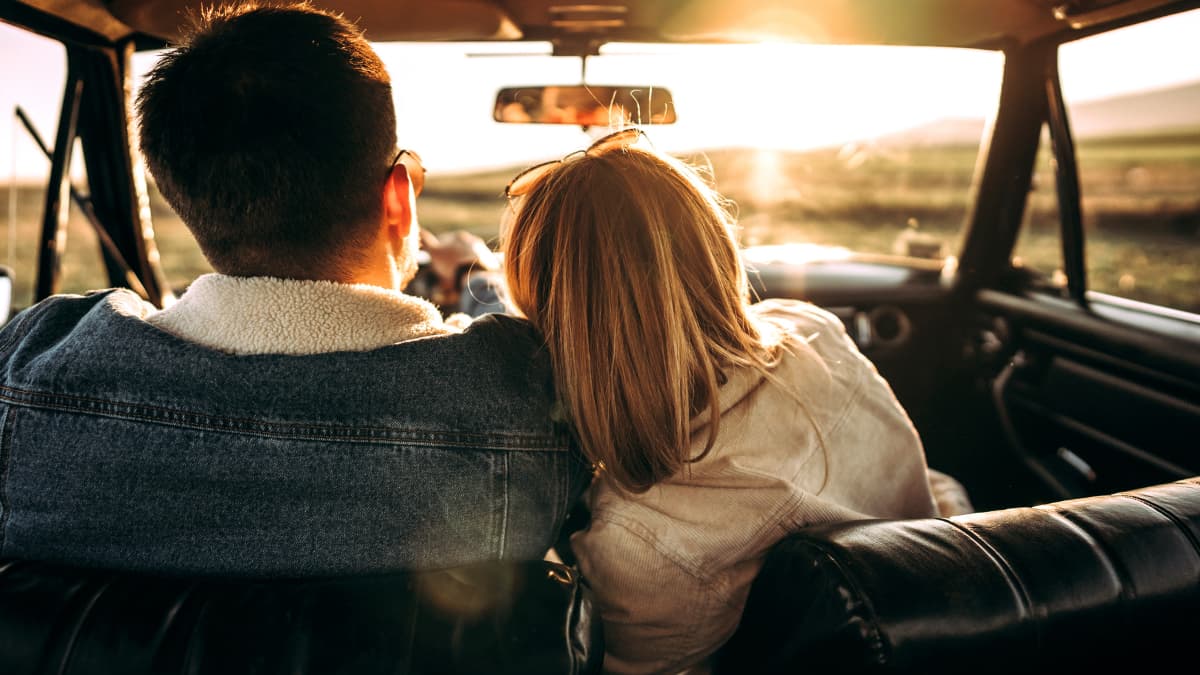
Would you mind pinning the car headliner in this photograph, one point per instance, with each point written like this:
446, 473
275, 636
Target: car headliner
581, 27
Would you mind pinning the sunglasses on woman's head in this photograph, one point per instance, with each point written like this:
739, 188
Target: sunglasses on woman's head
521, 183
416, 170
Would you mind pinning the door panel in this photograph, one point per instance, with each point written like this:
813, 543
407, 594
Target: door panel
1092, 405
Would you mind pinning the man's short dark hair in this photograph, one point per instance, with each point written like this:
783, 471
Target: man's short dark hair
270, 132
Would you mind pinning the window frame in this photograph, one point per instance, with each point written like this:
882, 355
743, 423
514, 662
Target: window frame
1135, 313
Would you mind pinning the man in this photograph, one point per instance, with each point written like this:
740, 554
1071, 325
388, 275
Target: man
294, 413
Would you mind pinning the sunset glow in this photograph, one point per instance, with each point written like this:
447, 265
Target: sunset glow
782, 96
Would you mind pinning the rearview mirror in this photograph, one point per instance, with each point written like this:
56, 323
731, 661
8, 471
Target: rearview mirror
585, 105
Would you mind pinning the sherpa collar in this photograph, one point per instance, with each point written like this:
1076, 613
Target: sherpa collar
264, 315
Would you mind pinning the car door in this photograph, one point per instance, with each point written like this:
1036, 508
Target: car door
1057, 355
1094, 326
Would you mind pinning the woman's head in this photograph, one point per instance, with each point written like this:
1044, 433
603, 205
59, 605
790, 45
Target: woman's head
626, 261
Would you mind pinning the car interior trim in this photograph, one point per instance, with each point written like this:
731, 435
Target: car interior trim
1170, 469
1007, 163
1160, 379
1152, 315
1166, 352
57, 210
1066, 179
1012, 437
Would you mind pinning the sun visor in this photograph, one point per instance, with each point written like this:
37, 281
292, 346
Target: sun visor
89, 14
381, 20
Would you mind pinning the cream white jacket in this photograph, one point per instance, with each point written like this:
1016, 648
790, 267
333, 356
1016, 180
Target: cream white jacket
671, 568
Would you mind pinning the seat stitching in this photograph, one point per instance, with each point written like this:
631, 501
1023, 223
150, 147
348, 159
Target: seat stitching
1010, 575
1176, 520
1108, 559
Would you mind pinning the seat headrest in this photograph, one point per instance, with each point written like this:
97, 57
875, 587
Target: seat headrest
1092, 584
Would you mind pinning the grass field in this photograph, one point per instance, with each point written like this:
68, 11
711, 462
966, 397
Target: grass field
1141, 210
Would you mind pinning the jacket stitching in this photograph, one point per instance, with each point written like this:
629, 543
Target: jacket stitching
778, 517
302, 431
20, 326
504, 504
847, 408
5, 459
639, 531
697, 617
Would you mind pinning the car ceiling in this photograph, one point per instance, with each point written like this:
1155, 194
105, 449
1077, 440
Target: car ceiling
581, 27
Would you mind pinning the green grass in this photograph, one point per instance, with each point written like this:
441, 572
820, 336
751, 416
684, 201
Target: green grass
1141, 201
1141, 214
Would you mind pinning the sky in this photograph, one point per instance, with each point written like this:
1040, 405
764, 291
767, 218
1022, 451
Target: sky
765, 95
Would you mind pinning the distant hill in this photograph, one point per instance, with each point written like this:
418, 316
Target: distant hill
1155, 112
946, 131
1151, 112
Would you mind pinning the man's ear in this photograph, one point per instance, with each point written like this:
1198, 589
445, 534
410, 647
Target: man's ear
399, 202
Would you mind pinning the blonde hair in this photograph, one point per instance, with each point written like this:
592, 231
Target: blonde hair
627, 263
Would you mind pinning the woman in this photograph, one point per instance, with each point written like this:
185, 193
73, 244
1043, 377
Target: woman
716, 427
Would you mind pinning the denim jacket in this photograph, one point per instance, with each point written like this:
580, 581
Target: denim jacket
124, 446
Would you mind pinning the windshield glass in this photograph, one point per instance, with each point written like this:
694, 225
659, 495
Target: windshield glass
869, 149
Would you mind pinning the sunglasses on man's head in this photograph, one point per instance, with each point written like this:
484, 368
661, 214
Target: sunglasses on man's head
416, 170
522, 182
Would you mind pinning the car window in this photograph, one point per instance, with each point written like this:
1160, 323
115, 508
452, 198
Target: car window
868, 148
1039, 243
34, 73
1133, 100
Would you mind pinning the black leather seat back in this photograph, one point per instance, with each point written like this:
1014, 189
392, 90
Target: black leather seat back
1092, 584
495, 618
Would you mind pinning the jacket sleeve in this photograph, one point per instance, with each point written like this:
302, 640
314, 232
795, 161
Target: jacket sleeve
949, 495
659, 615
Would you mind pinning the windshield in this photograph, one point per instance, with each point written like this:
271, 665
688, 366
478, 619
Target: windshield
868, 148
865, 149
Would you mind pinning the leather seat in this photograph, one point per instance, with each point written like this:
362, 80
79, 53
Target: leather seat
1089, 585
495, 618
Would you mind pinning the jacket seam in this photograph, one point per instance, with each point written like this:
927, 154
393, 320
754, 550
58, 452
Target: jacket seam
778, 517
847, 408
287, 430
707, 609
504, 505
19, 327
5, 462
637, 530
677, 655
